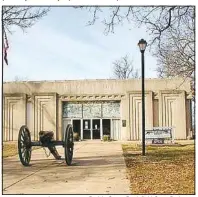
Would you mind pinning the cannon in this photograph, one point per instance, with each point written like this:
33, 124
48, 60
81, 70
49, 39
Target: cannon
25, 144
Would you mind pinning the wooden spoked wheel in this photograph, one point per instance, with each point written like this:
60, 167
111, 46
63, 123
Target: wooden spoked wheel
69, 144
24, 145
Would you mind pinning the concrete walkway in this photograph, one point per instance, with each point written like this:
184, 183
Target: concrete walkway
98, 168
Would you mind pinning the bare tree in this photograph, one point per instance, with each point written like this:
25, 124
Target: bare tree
22, 17
172, 33
171, 29
123, 68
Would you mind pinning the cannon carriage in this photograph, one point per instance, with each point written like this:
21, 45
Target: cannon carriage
45, 140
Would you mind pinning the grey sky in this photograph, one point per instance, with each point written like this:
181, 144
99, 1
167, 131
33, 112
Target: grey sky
61, 46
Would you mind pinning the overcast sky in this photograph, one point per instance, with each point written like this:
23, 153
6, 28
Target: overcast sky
62, 47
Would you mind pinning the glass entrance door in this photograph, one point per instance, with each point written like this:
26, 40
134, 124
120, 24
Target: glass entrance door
86, 129
77, 127
96, 128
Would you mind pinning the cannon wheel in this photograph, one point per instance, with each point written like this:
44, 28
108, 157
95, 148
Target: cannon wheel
69, 144
24, 145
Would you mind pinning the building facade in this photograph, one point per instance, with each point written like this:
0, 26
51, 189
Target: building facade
96, 107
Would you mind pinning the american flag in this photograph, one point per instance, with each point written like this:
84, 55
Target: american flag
6, 47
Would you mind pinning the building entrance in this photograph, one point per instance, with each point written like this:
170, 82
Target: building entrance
106, 125
87, 129
91, 129
93, 119
77, 127
96, 130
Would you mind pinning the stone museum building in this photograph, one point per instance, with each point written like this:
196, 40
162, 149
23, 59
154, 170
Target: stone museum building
96, 107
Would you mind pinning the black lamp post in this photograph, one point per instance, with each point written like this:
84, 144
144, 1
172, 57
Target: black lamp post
142, 45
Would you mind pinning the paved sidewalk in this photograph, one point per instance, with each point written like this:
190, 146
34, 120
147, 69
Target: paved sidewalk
98, 168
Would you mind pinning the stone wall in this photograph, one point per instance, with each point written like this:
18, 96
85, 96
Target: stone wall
39, 104
80, 87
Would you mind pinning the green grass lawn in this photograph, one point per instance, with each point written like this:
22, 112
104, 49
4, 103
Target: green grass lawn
164, 170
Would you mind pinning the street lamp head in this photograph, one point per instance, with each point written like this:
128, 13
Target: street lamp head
142, 45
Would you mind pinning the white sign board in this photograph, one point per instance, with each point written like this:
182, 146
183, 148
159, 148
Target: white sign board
157, 133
